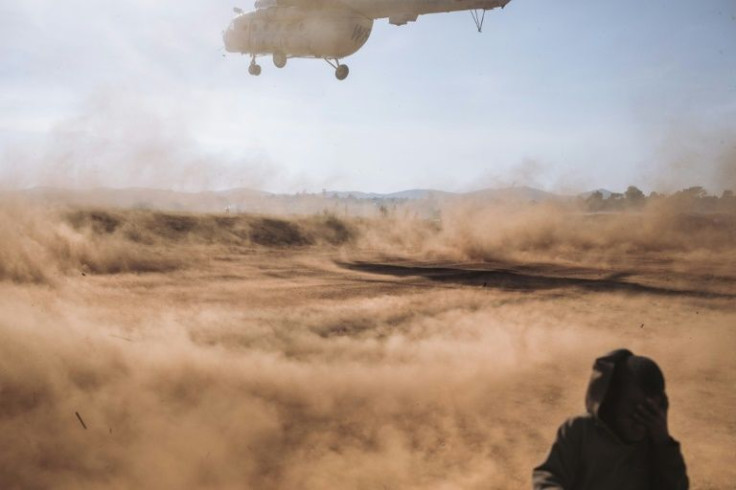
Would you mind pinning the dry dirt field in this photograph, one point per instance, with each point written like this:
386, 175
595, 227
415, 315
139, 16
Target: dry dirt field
151, 351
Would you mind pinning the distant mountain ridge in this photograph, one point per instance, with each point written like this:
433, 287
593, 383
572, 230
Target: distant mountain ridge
521, 193
251, 200
409, 194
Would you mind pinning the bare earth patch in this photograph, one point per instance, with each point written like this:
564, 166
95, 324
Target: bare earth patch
266, 356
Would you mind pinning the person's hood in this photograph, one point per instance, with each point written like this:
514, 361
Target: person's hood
600, 380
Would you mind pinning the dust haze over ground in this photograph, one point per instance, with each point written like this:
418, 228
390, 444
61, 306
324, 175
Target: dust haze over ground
319, 352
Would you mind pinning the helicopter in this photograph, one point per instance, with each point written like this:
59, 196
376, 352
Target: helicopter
328, 29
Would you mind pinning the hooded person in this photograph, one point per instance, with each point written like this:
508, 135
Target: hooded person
623, 441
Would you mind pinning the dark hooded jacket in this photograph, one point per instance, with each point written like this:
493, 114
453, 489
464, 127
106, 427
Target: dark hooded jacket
588, 455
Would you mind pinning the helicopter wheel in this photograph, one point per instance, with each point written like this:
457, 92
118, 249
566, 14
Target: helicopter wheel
254, 69
279, 59
342, 72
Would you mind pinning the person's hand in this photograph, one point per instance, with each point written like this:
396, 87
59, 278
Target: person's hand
653, 416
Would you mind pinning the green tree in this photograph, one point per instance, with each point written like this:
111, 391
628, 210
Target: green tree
635, 198
633, 194
595, 201
615, 201
696, 192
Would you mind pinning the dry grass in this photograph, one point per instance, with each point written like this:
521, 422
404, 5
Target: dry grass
260, 352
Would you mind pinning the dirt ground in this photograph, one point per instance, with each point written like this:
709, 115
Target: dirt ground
317, 366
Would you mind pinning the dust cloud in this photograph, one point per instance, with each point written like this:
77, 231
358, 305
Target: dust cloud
149, 349
117, 138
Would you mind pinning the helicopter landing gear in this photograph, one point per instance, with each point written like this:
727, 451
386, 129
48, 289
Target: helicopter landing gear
279, 60
341, 71
478, 17
254, 68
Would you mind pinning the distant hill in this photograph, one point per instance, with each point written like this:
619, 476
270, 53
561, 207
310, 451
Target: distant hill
516, 194
511, 193
420, 194
352, 195
251, 200
410, 194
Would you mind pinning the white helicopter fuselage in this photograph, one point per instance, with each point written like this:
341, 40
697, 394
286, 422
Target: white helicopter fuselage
296, 32
400, 11
328, 29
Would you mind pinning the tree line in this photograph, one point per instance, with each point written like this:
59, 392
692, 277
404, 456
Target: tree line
694, 199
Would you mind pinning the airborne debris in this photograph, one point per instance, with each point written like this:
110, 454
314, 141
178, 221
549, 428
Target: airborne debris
121, 337
80, 420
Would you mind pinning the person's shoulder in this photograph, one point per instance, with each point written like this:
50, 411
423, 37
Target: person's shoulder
584, 420
578, 424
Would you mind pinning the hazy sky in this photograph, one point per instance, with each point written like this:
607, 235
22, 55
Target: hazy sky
562, 95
